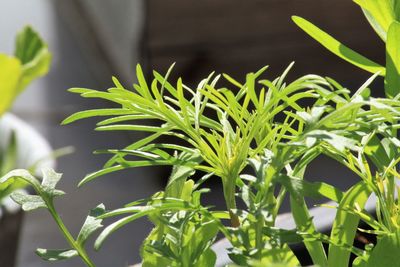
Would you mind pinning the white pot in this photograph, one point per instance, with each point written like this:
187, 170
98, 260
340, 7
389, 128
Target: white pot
32, 148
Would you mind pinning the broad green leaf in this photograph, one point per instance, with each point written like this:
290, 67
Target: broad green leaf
21, 174
92, 224
277, 257
153, 260
34, 55
396, 8
345, 225
300, 188
375, 24
380, 13
56, 255
302, 216
392, 78
338, 48
385, 253
10, 72
207, 258
304, 223
375, 150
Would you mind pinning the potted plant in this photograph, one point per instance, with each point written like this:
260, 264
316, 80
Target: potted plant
257, 137
20, 144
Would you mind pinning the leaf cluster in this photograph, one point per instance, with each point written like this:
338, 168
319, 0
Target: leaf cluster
31, 60
258, 136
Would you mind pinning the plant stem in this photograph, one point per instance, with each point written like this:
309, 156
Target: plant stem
259, 235
81, 251
229, 194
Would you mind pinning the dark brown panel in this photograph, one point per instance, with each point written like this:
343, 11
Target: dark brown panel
237, 36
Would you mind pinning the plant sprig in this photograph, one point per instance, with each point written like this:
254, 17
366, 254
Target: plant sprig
46, 192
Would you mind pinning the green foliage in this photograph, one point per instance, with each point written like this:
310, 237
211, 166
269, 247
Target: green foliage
338, 48
8, 161
384, 16
378, 148
258, 138
224, 143
392, 78
46, 193
31, 60
384, 253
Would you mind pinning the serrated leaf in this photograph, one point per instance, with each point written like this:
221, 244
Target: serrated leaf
92, 224
21, 174
49, 182
50, 178
56, 255
28, 202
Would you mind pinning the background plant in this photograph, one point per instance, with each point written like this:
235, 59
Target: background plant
31, 60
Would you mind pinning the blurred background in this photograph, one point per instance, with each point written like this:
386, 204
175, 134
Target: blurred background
91, 40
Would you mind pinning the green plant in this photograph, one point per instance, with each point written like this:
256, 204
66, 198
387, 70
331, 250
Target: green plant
258, 138
31, 60
246, 131
380, 146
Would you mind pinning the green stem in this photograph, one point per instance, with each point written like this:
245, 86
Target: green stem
229, 194
81, 251
259, 235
